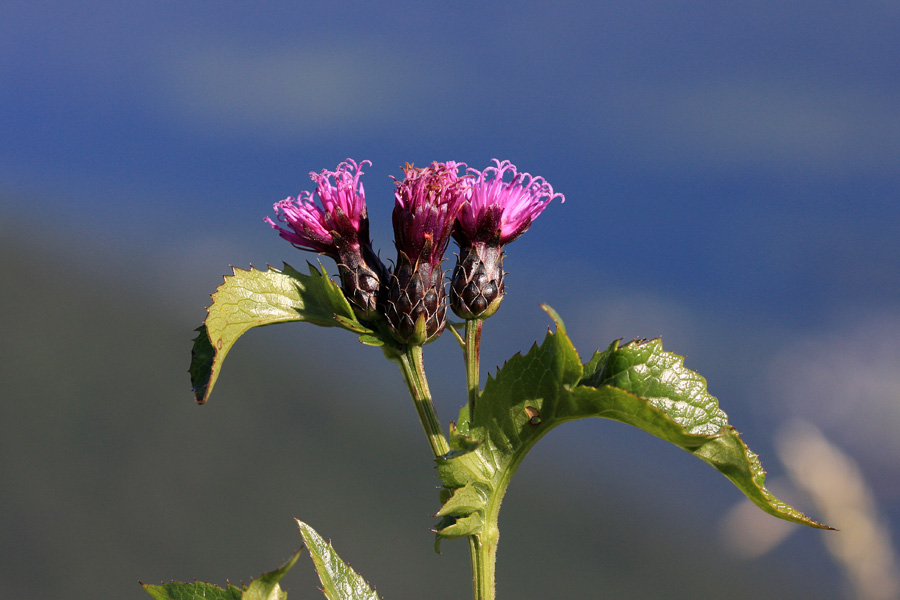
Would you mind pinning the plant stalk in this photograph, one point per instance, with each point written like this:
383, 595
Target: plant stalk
484, 561
482, 547
473, 358
413, 368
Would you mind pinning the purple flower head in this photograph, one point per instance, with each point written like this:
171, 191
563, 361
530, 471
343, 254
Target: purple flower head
427, 203
501, 205
338, 228
500, 211
339, 225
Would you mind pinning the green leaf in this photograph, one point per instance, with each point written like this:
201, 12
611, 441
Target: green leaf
527, 386
639, 383
663, 397
265, 587
661, 378
464, 501
371, 340
192, 591
339, 581
256, 298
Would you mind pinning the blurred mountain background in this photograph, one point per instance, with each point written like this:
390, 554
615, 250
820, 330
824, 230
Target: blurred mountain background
731, 176
111, 474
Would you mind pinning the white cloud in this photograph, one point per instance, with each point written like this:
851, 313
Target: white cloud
839, 489
847, 382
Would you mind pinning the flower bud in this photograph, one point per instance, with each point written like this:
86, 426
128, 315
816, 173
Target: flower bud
476, 288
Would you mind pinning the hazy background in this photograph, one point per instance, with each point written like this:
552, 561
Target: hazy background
731, 175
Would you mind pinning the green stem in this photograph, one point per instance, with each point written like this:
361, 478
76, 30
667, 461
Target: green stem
413, 368
473, 357
483, 546
484, 561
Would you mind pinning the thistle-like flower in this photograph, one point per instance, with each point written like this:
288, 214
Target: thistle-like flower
427, 203
497, 212
338, 228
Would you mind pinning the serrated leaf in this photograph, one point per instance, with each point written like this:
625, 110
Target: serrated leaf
527, 386
456, 527
264, 587
639, 384
464, 501
731, 456
192, 591
256, 298
643, 385
660, 377
339, 581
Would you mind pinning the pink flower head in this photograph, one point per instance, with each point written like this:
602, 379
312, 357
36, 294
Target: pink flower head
500, 211
339, 224
427, 203
340, 229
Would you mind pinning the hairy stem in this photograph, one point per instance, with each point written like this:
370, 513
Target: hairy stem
484, 561
482, 547
473, 356
413, 368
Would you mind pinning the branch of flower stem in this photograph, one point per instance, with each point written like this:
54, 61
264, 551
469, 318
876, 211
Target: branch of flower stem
453, 329
413, 368
472, 351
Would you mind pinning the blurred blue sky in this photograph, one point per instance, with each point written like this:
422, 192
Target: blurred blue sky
731, 170
744, 155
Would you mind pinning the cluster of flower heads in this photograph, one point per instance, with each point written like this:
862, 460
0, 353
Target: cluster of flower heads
482, 210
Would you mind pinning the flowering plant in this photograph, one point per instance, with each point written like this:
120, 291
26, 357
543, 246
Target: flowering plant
405, 307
